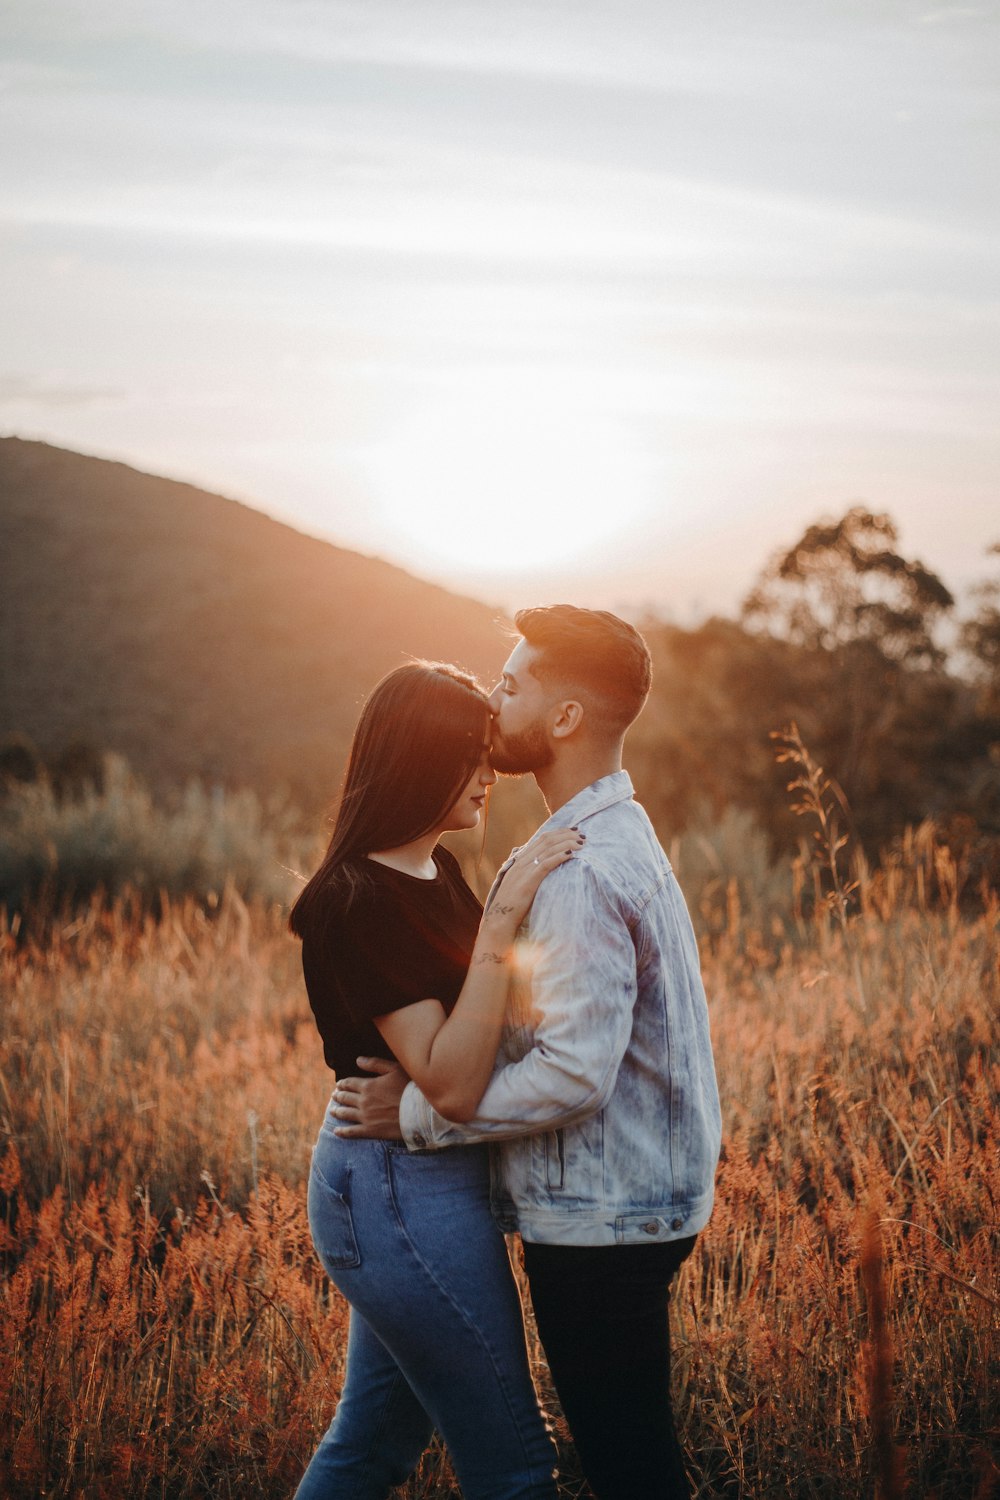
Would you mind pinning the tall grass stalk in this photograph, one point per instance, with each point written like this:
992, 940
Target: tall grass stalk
889, 1483
816, 795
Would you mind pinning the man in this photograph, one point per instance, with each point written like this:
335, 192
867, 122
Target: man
604, 1099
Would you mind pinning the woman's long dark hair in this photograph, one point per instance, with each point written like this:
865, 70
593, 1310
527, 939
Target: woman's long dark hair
417, 743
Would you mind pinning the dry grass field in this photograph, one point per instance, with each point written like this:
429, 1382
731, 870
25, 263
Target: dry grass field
166, 1331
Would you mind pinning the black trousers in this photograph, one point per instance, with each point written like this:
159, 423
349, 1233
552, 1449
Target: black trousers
602, 1315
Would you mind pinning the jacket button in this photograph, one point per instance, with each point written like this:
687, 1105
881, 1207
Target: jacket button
652, 1227
677, 1224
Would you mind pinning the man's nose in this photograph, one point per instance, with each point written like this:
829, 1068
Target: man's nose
494, 700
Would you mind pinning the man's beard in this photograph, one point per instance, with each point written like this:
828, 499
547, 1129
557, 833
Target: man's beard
517, 754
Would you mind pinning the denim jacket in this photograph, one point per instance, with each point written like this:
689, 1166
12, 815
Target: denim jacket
604, 1100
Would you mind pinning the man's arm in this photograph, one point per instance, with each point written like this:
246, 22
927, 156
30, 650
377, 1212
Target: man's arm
583, 992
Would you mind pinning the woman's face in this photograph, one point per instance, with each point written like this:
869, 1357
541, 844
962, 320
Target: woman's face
465, 810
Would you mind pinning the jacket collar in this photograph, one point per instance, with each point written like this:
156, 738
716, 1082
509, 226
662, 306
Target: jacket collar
593, 799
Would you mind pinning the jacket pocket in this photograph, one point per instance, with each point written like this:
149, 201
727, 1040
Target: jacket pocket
331, 1224
555, 1159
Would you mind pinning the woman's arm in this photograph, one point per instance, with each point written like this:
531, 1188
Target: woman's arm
451, 1058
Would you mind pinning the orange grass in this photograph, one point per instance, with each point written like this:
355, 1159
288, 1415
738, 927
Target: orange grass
165, 1330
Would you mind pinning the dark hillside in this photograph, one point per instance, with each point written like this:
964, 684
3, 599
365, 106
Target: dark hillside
193, 634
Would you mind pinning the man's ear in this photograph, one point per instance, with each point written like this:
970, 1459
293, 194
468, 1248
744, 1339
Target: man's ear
567, 718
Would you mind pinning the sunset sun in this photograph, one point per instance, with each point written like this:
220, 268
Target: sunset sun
478, 485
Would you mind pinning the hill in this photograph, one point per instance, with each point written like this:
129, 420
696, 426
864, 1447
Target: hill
193, 634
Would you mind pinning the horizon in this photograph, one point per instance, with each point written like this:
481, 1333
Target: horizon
634, 610
606, 307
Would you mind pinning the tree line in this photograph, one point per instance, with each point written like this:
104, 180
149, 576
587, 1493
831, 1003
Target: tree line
859, 646
843, 636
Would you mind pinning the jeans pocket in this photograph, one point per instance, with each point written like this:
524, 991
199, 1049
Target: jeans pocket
331, 1224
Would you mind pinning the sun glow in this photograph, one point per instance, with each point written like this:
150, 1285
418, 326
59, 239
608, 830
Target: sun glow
482, 485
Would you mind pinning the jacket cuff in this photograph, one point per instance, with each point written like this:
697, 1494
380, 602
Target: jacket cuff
415, 1119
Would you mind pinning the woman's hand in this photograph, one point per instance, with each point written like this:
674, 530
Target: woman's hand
451, 1058
519, 886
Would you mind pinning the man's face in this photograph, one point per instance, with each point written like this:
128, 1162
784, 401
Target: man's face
519, 702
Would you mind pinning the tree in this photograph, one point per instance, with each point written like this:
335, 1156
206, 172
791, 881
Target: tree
702, 743
980, 638
19, 760
877, 701
844, 583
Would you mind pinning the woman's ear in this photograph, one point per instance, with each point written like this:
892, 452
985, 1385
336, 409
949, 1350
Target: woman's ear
568, 718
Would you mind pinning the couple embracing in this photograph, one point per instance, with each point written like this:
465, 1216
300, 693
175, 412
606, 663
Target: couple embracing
542, 1064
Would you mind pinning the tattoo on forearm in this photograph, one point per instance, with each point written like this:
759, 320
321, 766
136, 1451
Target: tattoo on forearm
496, 910
491, 958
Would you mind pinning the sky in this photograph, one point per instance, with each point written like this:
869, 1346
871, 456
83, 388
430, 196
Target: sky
541, 298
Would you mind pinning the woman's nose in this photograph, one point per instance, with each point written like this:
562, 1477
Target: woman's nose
487, 776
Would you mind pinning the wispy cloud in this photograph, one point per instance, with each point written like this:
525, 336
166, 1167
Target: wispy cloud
26, 390
954, 14
569, 39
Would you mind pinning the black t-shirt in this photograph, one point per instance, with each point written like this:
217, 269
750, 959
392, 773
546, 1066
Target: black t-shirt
402, 939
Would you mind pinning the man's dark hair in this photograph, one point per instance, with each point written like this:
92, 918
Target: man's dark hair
593, 655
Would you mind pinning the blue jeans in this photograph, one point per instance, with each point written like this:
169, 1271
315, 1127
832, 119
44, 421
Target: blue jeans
436, 1336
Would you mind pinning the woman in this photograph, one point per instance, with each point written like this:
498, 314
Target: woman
400, 962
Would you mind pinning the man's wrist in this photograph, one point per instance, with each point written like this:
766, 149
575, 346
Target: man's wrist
416, 1119
408, 1110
